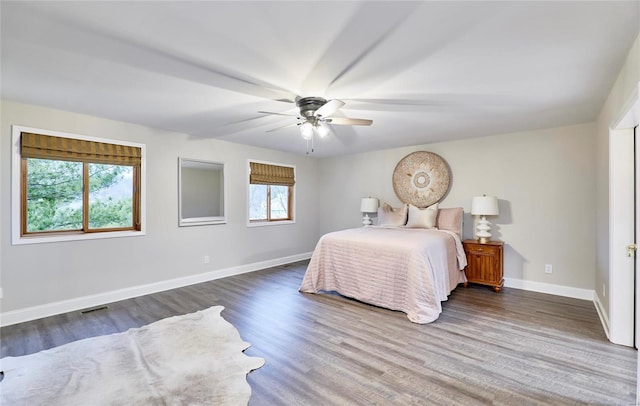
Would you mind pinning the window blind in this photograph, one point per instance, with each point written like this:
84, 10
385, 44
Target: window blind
265, 174
41, 146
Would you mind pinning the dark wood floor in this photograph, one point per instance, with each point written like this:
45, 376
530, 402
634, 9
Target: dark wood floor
512, 348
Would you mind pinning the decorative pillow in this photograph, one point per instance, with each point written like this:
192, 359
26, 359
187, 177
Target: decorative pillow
450, 219
422, 218
392, 216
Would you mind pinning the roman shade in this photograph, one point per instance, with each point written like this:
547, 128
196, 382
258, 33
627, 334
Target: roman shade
41, 146
265, 174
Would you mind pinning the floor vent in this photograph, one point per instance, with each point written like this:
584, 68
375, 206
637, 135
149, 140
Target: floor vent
95, 309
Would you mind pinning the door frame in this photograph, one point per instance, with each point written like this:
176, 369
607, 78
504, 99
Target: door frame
636, 235
621, 289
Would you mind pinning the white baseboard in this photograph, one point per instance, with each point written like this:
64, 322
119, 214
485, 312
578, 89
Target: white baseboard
559, 290
50, 309
604, 319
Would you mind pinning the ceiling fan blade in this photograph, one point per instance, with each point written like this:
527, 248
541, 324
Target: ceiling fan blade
404, 102
349, 121
281, 127
329, 108
279, 114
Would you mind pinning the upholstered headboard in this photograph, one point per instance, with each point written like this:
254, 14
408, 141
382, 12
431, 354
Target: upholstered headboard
450, 219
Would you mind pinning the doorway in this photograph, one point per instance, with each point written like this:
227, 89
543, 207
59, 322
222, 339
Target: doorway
624, 227
632, 249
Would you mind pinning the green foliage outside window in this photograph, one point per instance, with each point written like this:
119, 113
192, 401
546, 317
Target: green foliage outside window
55, 195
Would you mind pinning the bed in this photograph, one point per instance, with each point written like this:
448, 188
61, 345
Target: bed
410, 269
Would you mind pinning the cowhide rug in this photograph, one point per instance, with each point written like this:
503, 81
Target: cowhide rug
195, 359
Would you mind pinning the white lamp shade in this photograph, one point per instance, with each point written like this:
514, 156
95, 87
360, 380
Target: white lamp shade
322, 130
484, 206
306, 130
369, 205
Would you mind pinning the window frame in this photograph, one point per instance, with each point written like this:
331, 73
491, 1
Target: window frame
292, 198
18, 206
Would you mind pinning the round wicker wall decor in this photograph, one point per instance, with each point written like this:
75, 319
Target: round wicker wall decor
421, 178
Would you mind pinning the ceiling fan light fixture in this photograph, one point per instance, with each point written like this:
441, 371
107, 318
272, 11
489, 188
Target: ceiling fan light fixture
322, 130
306, 130
315, 114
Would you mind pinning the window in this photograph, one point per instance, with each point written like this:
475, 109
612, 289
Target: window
73, 185
270, 193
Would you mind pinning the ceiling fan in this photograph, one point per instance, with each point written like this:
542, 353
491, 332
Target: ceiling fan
315, 114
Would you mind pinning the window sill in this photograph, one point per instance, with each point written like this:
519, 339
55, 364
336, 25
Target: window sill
270, 223
201, 221
41, 239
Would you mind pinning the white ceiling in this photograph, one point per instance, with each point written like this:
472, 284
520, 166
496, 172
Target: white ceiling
423, 71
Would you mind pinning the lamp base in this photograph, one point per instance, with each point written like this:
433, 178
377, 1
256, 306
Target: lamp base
366, 220
482, 230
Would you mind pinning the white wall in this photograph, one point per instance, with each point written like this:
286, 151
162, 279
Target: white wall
544, 180
41, 274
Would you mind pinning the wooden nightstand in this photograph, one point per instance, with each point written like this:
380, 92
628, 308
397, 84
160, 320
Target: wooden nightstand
484, 263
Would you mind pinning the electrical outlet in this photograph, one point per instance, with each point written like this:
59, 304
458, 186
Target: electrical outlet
604, 290
206, 259
548, 268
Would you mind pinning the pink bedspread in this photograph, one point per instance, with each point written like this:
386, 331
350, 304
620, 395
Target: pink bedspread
406, 269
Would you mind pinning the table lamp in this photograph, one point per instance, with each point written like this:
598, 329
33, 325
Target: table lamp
368, 205
484, 206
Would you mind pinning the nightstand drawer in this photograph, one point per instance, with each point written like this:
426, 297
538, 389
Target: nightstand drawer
482, 249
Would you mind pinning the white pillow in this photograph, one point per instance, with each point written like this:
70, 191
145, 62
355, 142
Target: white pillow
422, 218
392, 216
